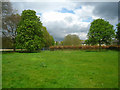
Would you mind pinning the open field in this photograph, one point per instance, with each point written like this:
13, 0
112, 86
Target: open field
60, 69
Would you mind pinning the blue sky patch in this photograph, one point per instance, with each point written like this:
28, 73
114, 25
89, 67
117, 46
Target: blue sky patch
64, 10
89, 19
38, 13
80, 7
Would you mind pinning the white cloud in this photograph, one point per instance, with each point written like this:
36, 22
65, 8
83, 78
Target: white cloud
42, 7
83, 12
81, 35
59, 24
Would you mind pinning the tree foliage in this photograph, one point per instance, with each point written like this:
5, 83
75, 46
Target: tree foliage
7, 43
10, 21
56, 43
29, 31
10, 25
101, 32
71, 40
49, 40
118, 33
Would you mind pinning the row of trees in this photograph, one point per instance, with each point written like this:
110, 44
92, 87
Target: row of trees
118, 33
25, 31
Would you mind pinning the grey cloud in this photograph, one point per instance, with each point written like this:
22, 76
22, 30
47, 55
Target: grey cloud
76, 29
108, 10
119, 12
56, 29
68, 19
94, 0
60, 29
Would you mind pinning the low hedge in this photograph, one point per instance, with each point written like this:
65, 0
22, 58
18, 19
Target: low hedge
112, 47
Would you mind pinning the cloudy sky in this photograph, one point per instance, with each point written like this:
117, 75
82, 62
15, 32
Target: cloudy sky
68, 17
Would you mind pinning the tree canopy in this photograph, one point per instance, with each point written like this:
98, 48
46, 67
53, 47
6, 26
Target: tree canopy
118, 33
100, 32
29, 32
49, 40
71, 40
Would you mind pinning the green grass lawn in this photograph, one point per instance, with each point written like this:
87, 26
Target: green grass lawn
60, 69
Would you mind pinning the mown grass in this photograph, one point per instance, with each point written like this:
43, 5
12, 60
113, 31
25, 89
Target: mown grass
60, 69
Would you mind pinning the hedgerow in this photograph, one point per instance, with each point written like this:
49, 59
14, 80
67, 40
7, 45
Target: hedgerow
112, 47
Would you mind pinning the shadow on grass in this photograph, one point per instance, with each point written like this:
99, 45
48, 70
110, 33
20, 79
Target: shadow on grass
91, 51
7, 52
29, 51
20, 52
97, 50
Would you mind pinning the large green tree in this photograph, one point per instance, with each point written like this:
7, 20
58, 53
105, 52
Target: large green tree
118, 33
29, 32
49, 40
100, 32
71, 40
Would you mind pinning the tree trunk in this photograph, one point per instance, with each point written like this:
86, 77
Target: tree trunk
14, 49
99, 46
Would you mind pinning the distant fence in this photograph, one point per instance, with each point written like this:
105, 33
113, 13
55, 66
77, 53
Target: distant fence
112, 47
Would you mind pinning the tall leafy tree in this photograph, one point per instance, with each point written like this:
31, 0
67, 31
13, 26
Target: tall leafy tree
71, 40
52, 40
118, 33
49, 40
29, 32
101, 32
